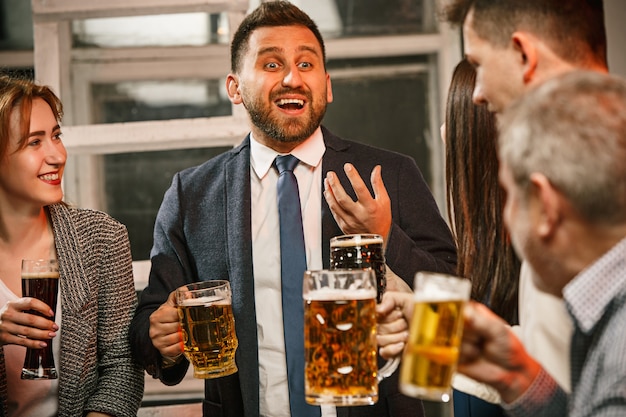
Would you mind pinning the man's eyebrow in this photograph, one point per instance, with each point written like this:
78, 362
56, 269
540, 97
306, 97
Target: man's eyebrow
275, 49
269, 50
308, 48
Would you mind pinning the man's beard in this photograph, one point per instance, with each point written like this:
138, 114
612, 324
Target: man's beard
289, 131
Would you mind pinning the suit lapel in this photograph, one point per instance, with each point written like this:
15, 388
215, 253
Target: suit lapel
239, 253
333, 160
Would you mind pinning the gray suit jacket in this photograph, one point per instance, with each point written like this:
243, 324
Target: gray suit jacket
203, 231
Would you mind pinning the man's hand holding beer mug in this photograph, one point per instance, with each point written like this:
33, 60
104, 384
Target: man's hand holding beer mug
197, 321
427, 326
489, 352
492, 354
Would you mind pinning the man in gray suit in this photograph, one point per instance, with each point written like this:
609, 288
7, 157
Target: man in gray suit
220, 220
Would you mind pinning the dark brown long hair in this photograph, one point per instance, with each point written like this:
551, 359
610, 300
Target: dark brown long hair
475, 199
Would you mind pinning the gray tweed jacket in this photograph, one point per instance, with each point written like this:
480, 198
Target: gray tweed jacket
98, 300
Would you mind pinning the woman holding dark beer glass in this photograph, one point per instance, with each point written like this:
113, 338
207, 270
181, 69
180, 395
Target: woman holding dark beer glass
96, 299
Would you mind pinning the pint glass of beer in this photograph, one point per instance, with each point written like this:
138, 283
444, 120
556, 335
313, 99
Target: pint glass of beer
360, 251
432, 351
340, 338
208, 327
40, 279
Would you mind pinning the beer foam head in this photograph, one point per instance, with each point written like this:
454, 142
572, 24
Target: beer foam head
331, 294
435, 287
432, 292
40, 275
355, 240
204, 301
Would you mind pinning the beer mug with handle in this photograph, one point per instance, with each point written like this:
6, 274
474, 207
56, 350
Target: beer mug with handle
430, 357
340, 338
208, 327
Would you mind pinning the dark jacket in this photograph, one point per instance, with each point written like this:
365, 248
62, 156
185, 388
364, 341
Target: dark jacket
203, 229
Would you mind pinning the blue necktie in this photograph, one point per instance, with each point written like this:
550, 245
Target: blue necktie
292, 265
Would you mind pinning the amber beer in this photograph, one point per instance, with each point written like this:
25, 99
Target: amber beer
340, 339
40, 279
360, 251
208, 330
430, 358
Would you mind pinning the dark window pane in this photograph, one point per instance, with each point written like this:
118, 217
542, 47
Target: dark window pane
388, 110
16, 25
380, 17
144, 100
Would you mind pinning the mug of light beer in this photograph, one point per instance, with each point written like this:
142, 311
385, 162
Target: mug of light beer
359, 251
208, 327
340, 338
40, 279
430, 357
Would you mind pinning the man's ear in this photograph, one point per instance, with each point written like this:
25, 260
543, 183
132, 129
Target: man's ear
232, 88
524, 44
548, 205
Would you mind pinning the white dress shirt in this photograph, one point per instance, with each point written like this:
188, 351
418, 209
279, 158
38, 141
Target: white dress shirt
273, 390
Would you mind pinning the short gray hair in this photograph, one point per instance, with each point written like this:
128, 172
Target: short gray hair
572, 129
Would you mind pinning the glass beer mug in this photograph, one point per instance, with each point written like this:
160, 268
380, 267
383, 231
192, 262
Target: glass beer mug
430, 357
40, 279
340, 338
208, 327
359, 251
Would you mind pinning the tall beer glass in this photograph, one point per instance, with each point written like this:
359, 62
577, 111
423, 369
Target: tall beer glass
340, 338
359, 251
432, 351
208, 327
40, 279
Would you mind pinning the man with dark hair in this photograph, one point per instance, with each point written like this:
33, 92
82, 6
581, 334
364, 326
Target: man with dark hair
221, 220
514, 44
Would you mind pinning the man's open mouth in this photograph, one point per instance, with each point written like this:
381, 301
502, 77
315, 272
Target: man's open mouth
290, 103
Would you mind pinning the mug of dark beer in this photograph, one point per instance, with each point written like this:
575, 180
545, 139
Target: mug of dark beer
340, 338
208, 327
358, 251
430, 357
40, 279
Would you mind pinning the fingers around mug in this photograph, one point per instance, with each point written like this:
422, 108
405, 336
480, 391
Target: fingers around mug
29, 303
169, 344
18, 334
21, 340
391, 351
19, 312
